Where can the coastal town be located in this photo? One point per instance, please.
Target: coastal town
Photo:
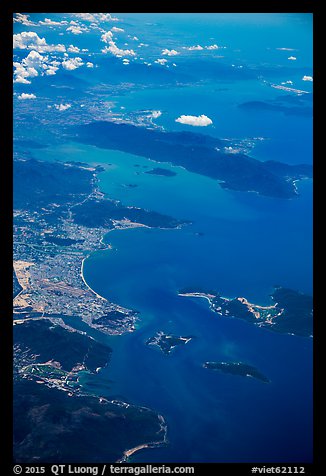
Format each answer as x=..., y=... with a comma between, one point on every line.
x=49, y=254
x=51, y=276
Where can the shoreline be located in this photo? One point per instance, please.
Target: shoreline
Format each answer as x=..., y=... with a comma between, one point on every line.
x=125, y=225
x=209, y=297
x=108, y=247
x=84, y=280
x=153, y=444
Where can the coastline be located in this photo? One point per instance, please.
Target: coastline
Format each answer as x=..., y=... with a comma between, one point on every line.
x=84, y=280
x=209, y=297
x=119, y=225
x=153, y=444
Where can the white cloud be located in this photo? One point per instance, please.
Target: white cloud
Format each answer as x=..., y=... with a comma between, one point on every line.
x=137, y=39
x=26, y=96
x=285, y=49
x=73, y=49
x=51, y=70
x=49, y=22
x=20, y=79
x=117, y=30
x=62, y=107
x=28, y=39
x=31, y=41
x=169, y=52
x=307, y=78
x=212, y=47
x=28, y=68
x=113, y=49
x=34, y=64
x=95, y=17
x=200, y=121
x=73, y=63
x=161, y=61
x=107, y=36
x=194, y=48
x=76, y=30
x=125, y=61
x=89, y=65
x=292, y=58
x=155, y=114
x=21, y=73
x=23, y=19
x=34, y=60
x=287, y=82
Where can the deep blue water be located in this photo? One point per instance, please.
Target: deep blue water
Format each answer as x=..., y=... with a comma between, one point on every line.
x=145, y=269
x=248, y=244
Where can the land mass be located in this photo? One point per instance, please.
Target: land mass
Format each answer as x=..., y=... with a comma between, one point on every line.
x=197, y=153
x=53, y=427
x=290, y=105
x=44, y=348
x=290, y=313
x=236, y=368
x=60, y=218
x=54, y=419
x=167, y=343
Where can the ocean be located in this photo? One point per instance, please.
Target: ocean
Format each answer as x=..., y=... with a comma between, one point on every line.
x=238, y=243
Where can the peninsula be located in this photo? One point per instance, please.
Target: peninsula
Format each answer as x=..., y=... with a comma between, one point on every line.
x=198, y=153
x=290, y=313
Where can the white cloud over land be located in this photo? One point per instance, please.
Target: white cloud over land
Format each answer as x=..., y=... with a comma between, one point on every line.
x=199, y=121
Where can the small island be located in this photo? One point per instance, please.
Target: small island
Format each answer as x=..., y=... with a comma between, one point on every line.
x=167, y=342
x=237, y=368
x=160, y=171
